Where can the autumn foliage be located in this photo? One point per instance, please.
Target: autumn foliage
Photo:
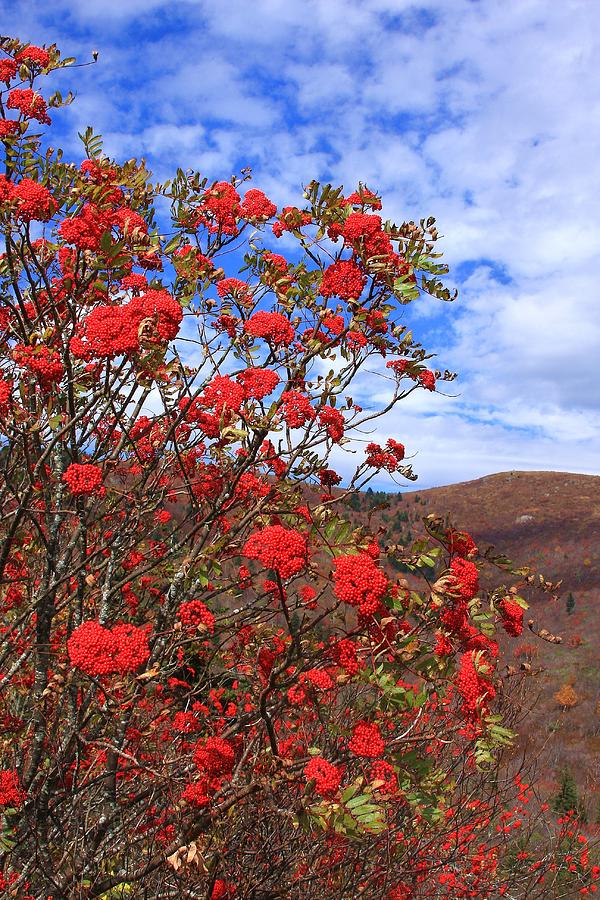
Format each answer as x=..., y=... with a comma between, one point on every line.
x=211, y=685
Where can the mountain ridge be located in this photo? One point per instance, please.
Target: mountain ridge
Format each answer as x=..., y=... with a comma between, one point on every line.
x=551, y=522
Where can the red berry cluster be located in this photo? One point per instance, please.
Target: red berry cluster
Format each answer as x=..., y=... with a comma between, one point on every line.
x=131, y=647
x=30, y=104
x=283, y=549
x=384, y=771
x=258, y=383
x=290, y=219
x=296, y=409
x=360, y=226
x=215, y=756
x=85, y=230
x=398, y=366
x=512, y=617
x=147, y=436
x=106, y=332
x=128, y=221
x=276, y=262
x=270, y=326
x=460, y=543
x=150, y=260
x=101, y=651
x=465, y=577
x=244, y=578
x=5, y=393
x=234, y=289
x=227, y=323
x=110, y=331
x=443, y=645
x=356, y=339
x=186, y=722
x=366, y=740
x=474, y=685
x=359, y=581
x=100, y=172
x=333, y=421
x=329, y=478
x=220, y=208
x=270, y=457
x=307, y=595
x=42, y=361
x=319, y=679
x=8, y=127
x=335, y=324
x=364, y=232
x=160, y=306
x=296, y=695
x=325, y=775
x=364, y=197
x=193, y=613
x=221, y=394
x=388, y=459
x=345, y=655
x=188, y=261
x=427, y=379
x=276, y=273
x=11, y=792
x=8, y=70
x=97, y=650
x=250, y=485
x=396, y=448
x=34, y=201
x=84, y=479
x=343, y=279
x=198, y=793
x=256, y=206
x=39, y=56
x=376, y=321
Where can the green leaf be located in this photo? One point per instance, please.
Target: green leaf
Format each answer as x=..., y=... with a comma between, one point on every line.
x=357, y=801
x=350, y=792
x=106, y=242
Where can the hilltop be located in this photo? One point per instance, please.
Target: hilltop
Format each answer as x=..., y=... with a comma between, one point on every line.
x=550, y=521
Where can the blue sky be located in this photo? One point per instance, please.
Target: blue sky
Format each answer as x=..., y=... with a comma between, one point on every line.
x=484, y=114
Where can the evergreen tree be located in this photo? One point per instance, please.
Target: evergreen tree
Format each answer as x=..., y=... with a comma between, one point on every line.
x=570, y=604
x=400, y=518
x=354, y=502
x=567, y=798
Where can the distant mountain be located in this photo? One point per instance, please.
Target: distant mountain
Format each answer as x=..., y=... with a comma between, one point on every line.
x=550, y=521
